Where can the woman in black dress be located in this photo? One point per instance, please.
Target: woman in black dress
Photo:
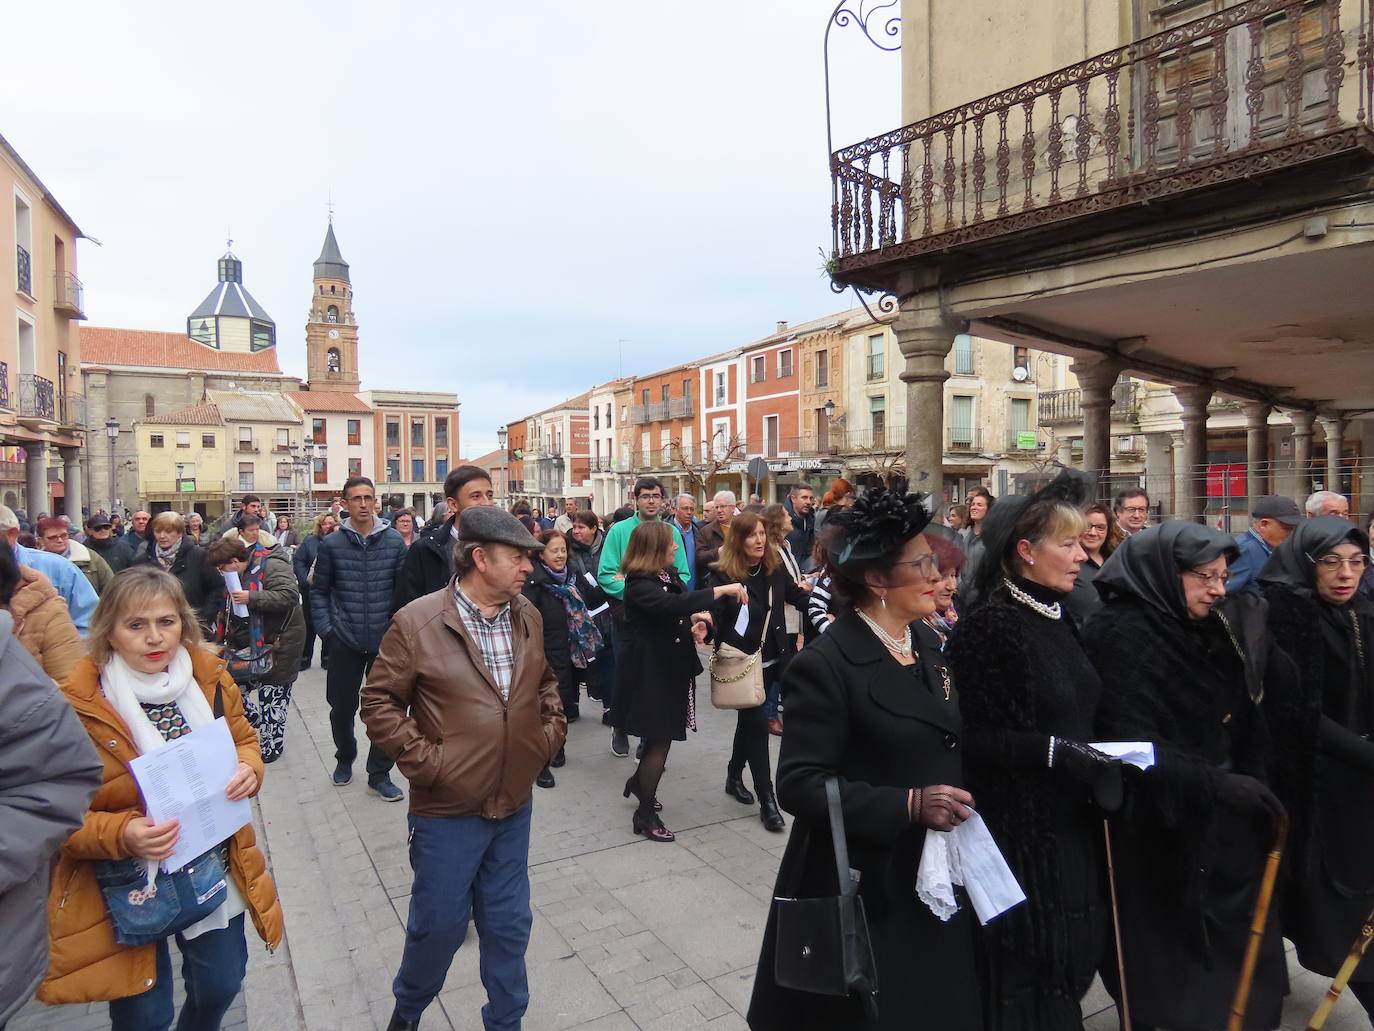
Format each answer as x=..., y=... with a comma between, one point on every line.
x=655, y=691
x=747, y=558
x=1028, y=697
x=1187, y=668
x=1317, y=617
x=871, y=703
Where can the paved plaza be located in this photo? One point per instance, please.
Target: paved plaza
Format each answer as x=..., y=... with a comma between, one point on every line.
x=628, y=934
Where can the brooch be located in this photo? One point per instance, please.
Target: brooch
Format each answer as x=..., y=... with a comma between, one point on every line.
x=944, y=677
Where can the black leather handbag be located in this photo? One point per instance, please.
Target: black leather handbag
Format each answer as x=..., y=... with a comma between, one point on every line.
x=823, y=945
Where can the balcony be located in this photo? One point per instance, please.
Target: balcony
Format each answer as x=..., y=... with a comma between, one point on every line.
x=1183, y=122
x=5, y=386
x=246, y=447
x=71, y=410
x=964, y=438
x=1065, y=407
x=68, y=295
x=37, y=400
x=203, y=486
x=24, y=264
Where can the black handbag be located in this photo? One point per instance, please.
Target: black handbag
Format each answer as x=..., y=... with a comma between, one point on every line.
x=823, y=944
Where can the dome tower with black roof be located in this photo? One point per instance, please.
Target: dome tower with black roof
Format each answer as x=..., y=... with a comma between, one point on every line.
x=229, y=319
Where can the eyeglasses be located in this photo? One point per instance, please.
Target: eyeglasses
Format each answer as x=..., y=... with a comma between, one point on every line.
x=1210, y=579
x=1134, y=509
x=1095, y=528
x=1356, y=564
x=925, y=564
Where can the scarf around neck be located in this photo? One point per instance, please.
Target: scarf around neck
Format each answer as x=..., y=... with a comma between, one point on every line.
x=165, y=558
x=584, y=637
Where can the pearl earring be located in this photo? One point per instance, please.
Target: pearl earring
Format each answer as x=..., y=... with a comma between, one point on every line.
x=1031, y=561
x=882, y=600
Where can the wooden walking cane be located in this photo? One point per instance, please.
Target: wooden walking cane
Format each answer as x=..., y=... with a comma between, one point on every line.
x=1343, y=975
x=1241, y=1001
x=1125, y=1013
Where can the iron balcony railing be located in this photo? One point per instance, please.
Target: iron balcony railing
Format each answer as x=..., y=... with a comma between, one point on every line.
x=69, y=295
x=24, y=264
x=71, y=410
x=658, y=411
x=1245, y=91
x=203, y=486
x=37, y=400
x=5, y=386
x=1065, y=407
x=964, y=438
x=246, y=447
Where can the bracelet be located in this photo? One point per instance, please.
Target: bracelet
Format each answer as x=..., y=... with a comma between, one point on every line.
x=913, y=805
x=1051, y=759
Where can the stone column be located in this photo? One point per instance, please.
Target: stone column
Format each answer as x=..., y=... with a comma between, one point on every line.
x=1302, y=453
x=1157, y=469
x=36, y=479
x=1335, y=436
x=925, y=341
x=1194, y=401
x=1096, y=378
x=1180, y=464
x=1256, y=450
x=71, y=480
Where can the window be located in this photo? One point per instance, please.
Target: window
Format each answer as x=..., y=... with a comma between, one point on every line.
x=961, y=420
x=200, y=333
x=393, y=470
x=1018, y=420
x=622, y=414
x=332, y=315
x=596, y=456
x=665, y=392
x=355, y=467
x=758, y=369
x=721, y=392
x=149, y=403
x=207, y=440
x=770, y=436
x=784, y=363
x=319, y=431
x=876, y=366
x=877, y=414
x=417, y=470
x=687, y=394
x=644, y=397
x=822, y=368
x=246, y=438
x=183, y=438
x=23, y=232
x=320, y=474
x=283, y=439
x=596, y=419
x=245, y=476
x=393, y=433
x=333, y=361
x=608, y=415
x=355, y=432
x=284, y=476
x=440, y=468
x=155, y=440
x=417, y=433
x=963, y=355
x=263, y=335
x=822, y=430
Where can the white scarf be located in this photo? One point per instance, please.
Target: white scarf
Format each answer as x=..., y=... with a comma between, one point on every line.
x=127, y=690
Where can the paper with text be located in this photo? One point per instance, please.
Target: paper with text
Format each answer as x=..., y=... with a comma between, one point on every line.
x=232, y=584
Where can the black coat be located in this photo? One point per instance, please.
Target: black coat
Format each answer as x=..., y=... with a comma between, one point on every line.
x=557, y=645
x=428, y=565
x=1188, y=869
x=855, y=713
x=201, y=582
x=112, y=551
x=776, y=588
x=657, y=667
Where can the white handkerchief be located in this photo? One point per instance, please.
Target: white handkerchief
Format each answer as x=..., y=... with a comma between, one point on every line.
x=934, y=879
x=1140, y=754
x=969, y=857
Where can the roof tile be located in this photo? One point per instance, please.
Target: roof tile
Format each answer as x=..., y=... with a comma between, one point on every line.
x=328, y=401
x=102, y=345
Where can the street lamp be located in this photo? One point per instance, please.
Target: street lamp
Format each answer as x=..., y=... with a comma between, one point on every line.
x=112, y=432
x=501, y=444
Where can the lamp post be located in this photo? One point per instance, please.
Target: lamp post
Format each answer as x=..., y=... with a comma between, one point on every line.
x=112, y=433
x=501, y=443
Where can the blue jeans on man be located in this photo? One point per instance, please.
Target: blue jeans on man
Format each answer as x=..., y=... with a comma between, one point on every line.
x=467, y=867
x=212, y=965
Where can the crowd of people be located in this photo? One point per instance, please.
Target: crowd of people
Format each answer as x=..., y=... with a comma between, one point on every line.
x=918, y=666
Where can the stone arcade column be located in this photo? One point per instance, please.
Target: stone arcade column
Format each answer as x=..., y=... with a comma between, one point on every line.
x=1335, y=437
x=1302, y=453
x=71, y=479
x=1096, y=378
x=1180, y=463
x=1157, y=473
x=36, y=479
x=1194, y=401
x=925, y=341
x=1257, y=449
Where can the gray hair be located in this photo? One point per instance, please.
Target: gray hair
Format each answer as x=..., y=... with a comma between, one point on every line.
x=727, y=495
x=1314, y=504
x=690, y=497
x=8, y=520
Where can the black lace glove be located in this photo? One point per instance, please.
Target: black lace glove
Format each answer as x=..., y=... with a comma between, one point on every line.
x=1085, y=764
x=1248, y=795
x=941, y=807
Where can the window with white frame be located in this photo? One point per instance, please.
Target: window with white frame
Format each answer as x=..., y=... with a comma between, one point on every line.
x=770, y=436
x=876, y=366
x=963, y=355
x=722, y=390
x=822, y=368
x=245, y=476
x=961, y=420
x=785, y=363
x=183, y=438
x=877, y=415
x=758, y=369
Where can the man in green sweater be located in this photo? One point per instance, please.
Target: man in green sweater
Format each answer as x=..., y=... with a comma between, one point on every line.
x=648, y=503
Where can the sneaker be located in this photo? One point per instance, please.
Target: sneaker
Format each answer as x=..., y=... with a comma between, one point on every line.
x=606, y=718
x=545, y=778
x=620, y=744
x=343, y=774
x=384, y=789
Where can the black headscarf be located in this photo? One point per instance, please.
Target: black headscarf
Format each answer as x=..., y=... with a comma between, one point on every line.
x=1146, y=565
x=1294, y=562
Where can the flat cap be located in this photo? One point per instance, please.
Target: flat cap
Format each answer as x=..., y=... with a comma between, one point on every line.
x=98, y=521
x=492, y=525
x=1276, y=506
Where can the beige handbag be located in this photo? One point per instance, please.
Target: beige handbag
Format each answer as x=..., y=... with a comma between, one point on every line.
x=737, y=677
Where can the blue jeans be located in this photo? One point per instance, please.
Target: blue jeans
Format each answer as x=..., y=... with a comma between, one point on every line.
x=212, y=965
x=467, y=867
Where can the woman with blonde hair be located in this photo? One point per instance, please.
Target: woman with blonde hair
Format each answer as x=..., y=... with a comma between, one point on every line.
x=147, y=682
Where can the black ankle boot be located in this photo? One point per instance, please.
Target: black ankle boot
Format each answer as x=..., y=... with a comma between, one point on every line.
x=734, y=787
x=769, y=812
x=399, y=1023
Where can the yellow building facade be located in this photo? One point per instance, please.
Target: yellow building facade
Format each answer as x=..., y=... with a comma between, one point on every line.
x=182, y=457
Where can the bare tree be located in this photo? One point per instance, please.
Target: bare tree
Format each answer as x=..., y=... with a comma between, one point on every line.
x=709, y=463
x=888, y=464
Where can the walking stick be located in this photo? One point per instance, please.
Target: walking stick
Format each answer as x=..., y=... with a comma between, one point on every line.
x=1257, y=924
x=1116, y=927
x=1343, y=975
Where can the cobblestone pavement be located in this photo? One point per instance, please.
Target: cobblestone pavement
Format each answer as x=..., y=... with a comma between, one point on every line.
x=628, y=934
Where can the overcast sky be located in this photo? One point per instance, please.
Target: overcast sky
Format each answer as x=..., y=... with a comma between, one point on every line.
x=524, y=191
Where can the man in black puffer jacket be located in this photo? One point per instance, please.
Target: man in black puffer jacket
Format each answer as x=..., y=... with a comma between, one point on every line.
x=350, y=602
x=429, y=562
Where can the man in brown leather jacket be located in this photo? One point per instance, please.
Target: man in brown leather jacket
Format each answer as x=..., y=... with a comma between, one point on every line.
x=462, y=696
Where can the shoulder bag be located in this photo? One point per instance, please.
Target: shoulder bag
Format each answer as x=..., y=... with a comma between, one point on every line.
x=823, y=944
x=736, y=676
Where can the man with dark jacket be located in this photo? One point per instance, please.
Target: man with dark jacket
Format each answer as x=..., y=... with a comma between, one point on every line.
x=429, y=562
x=801, y=503
x=463, y=696
x=350, y=602
x=100, y=539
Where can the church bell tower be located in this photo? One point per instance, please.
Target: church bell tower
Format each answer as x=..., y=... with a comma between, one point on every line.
x=331, y=335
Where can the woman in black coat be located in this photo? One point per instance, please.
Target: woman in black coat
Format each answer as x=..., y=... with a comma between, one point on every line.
x=1319, y=620
x=747, y=557
x=871, y=703
x=1186, y=668
x=1028, y=697
x=655, y=691
x=172, y=549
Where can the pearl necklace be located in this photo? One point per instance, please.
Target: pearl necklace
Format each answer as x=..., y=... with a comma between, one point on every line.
x=1048, y=611
x=902, y=647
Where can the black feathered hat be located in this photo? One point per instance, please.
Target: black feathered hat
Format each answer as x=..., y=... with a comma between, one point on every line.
x=877, y=524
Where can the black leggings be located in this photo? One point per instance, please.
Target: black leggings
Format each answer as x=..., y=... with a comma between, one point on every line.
x=751, y=743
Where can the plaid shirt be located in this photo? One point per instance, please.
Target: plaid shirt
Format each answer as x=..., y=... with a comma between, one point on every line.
x=494, y=637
